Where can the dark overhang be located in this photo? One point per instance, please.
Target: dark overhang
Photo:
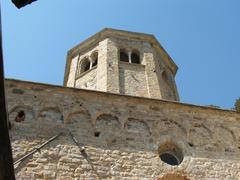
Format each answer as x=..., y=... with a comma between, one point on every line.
x=21, y=3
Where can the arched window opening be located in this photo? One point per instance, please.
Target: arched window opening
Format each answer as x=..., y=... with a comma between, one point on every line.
x=123, y=56
x=85, y=65
x=95, y=59
x=135, y=58
x=95, y=62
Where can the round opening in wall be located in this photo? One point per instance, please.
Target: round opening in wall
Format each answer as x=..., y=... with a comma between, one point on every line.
x=169, y=159
x=170, y=154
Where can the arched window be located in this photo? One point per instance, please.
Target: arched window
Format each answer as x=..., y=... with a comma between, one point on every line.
x=85, y=65
x=135, y=57
x=95, y=59
x=123, y=56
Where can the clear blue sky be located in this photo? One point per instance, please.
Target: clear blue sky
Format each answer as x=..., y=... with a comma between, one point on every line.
x=202, y=36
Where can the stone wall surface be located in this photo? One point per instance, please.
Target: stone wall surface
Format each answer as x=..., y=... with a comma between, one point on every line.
x=122, y=135
x=133, y=79
x=72, y=72
x=88, y=80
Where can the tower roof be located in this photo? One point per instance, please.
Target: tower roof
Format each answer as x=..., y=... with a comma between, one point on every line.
x=109, y=32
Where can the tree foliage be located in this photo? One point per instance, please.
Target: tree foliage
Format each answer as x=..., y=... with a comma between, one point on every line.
x=237, y=105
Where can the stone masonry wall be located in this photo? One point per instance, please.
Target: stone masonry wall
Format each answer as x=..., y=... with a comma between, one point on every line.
x=123, y=135
x=166, y=79
x=88, y=80
x=73, y=71
x=132, y=79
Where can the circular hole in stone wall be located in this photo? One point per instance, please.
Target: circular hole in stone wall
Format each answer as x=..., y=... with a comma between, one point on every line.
x=170, y=154
x=169, y=158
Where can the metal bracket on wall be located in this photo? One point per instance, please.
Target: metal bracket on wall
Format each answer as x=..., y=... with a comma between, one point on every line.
x=84, y=154
x=36, y=149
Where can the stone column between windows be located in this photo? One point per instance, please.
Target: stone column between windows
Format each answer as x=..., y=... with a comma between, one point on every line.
x=129, y=56
x=91, y=62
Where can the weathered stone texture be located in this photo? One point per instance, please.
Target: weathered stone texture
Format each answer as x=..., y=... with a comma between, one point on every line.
x=123, y=135
x=72, y=72
x=88, y=80
x=132, y=79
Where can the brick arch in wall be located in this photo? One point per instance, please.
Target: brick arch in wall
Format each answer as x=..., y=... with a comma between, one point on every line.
x=79, y=123
x=53, y=114
x=137, y=132
x=25, y=124
x=109, y=129
x=107, y=119
x=225, y=138
x=137, y=126
x=166, y=125
x=75, y=111
x=199, y=135
x=28, y=110
x=49, y=121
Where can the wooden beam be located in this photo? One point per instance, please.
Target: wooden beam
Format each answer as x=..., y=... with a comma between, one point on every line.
x=6, y=161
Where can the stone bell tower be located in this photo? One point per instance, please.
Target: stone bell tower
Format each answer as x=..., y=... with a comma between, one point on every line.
x=122, y=62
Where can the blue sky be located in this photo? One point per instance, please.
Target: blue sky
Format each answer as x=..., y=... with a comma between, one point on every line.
x=202, y=37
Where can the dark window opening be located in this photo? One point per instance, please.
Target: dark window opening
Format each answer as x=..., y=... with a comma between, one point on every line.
x=95, y=62
x=95, y=59
x=20, y=116
x=123, y=56
x=169, y=159
x=135, y=58
x=85, y=66
x=97, y=134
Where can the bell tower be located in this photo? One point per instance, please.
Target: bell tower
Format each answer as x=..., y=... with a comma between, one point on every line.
x=122, y=62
